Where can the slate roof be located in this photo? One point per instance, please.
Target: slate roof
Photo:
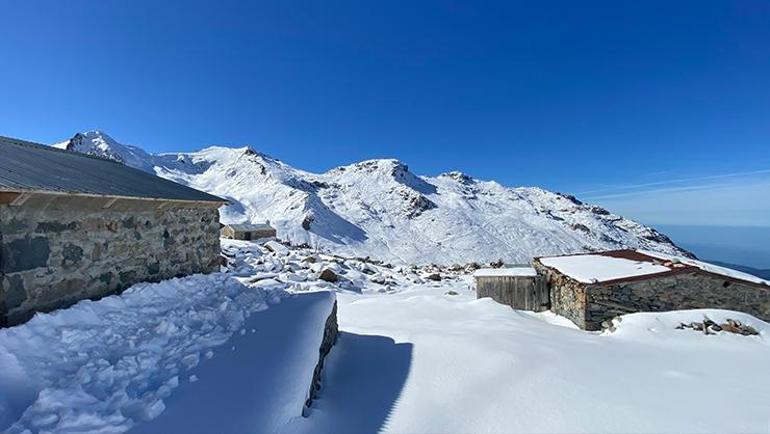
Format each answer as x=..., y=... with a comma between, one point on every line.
x=31, y=167
x=248, y=227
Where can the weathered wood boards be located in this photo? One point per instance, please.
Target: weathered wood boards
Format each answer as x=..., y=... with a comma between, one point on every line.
x=519, y=292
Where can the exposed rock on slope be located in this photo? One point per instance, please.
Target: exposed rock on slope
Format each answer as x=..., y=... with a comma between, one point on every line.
x=378, y=208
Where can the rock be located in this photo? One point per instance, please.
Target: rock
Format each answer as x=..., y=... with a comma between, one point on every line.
x=328, y=275
x=306, y=222
x=377, y=279
x=450, y=292
x=434, y=276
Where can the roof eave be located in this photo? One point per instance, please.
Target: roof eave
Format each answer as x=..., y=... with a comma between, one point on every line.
x=218, y=200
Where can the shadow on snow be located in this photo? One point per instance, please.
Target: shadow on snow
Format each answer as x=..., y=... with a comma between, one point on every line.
x=363, y=380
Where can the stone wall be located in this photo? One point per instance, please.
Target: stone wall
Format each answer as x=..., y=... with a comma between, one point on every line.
x=568, y=296
x=588, y=306
x=692, y=290
x=55, y=251
x=327, y=342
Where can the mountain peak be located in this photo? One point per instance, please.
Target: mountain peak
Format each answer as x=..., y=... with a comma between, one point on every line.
x=458, y=176
x=379, y=208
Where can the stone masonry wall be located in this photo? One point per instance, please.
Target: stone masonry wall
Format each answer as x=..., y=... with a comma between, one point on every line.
x=588, y=306
x=674, y=292
x=568, y=297
x=55, y=253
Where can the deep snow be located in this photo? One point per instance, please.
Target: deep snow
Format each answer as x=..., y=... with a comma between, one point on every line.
x=421, y=361
x=232, y=352
x=105, y=366
x=379, y=208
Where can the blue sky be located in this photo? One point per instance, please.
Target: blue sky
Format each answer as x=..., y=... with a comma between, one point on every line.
x=657, y=110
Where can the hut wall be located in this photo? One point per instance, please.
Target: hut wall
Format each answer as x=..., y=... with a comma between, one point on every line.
x=263, y=233
x=228, y=232
x=55, y=251
x=519, y=292
x=567, y=296
x=674, y=292
x=590, y=305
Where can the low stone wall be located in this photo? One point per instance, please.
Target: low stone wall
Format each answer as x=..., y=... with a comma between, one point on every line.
x=57, y=251
x=329, y=339
x=674, y=292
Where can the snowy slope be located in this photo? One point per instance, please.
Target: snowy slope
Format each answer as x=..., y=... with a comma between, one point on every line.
x=423, y=361
x=379, y=208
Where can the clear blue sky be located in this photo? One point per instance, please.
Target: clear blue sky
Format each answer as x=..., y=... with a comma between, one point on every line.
x=642, y=106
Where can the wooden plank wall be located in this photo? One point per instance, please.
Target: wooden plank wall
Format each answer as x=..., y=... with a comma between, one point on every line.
x=523, y=293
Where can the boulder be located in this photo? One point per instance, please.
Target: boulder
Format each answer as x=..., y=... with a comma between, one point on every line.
x=328, y=275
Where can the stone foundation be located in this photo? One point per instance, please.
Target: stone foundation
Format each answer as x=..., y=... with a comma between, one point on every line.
x=55, y=251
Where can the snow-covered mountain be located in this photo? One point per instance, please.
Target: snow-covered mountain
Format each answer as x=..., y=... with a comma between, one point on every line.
x=379, y=208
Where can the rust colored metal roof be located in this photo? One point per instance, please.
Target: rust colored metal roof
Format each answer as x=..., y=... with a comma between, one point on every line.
x=674, y=266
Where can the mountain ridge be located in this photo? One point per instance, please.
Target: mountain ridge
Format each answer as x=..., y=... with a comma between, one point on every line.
x=379, y=208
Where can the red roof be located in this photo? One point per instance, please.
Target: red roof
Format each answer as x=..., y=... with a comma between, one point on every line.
x=674, y=265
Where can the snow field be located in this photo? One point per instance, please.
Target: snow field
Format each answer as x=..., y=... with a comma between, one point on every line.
x=233, y=351
x=421, y=361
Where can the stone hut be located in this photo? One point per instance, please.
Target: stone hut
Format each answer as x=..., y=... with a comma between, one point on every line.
x=74, y=226
x=517, y=286
x=590, y=289
x=248, y=231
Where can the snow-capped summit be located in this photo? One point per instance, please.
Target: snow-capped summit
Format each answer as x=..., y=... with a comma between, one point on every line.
x=97, y=143
x=379, y=208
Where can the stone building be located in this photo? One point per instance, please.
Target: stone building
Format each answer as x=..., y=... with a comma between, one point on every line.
x=592, y=288
x=74, y=226
x=248, y=231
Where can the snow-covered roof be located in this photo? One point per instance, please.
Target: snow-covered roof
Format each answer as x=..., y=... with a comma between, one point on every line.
x=506, y=272
x=30, y=167
x=705, y=266
x=599, y=268
x=635, y=264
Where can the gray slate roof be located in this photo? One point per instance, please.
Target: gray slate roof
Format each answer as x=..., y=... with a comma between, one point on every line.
x=26, y=166
x=248, y=227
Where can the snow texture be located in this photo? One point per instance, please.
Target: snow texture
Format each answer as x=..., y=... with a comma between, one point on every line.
x=233, y=351
x=378, y=208
x=420, y=361
x=107, y=365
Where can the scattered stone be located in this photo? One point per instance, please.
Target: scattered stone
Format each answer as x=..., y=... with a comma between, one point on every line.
x=328, y=275
x=379, y=279
x=709, y=327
